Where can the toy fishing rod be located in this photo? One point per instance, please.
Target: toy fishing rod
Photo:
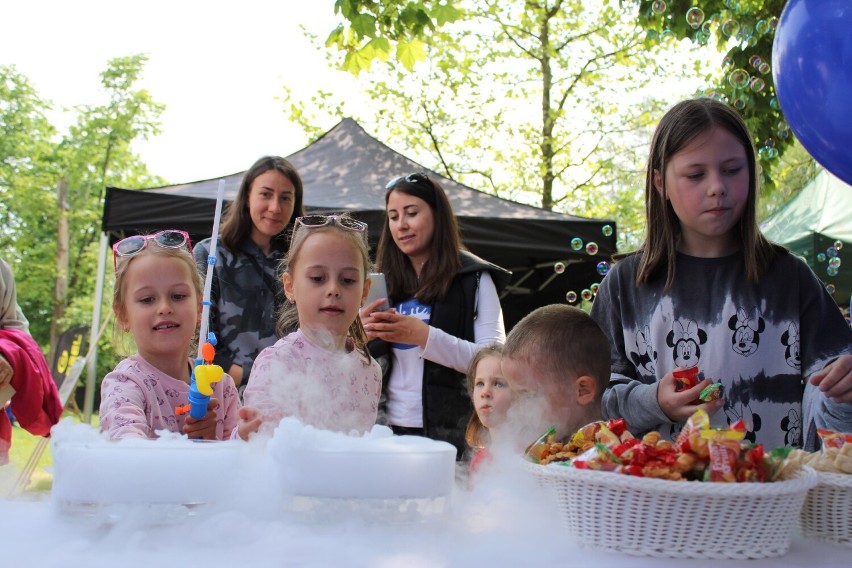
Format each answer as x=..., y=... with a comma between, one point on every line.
x=205, y=372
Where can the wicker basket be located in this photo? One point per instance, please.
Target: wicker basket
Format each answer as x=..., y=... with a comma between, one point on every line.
x=677, y=519
x=827, y=514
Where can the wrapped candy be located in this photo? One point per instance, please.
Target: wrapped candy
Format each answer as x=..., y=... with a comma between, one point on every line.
x=685, y=378
x=723, y=447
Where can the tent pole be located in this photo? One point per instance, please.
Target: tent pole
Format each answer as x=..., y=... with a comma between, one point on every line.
x=91, y=364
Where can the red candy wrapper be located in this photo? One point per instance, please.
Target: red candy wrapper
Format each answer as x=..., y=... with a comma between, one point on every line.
x=685, y=378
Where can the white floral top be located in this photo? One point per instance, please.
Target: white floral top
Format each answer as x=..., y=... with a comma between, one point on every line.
x=331, y=390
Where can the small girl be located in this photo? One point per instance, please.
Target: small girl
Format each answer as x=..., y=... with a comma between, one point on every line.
x=157, y=298
x=322, y=373
x=707, y=290
x=491, y=398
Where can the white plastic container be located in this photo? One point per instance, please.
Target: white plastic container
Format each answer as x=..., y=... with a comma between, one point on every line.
x=92, y=475
x=384, y=477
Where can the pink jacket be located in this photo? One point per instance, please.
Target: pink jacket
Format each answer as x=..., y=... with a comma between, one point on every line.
x=36, y=403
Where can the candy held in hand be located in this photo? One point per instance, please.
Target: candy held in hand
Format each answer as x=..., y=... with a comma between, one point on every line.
x=711, y=392
x=685, y=378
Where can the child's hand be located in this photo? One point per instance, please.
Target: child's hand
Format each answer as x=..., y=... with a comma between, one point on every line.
x=205, y=428
x=835, y=380
x=680, y=405
x=250, y=420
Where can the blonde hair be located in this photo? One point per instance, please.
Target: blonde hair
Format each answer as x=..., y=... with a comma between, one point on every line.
x=476, y=434
x=288, y=318
x=123, y=264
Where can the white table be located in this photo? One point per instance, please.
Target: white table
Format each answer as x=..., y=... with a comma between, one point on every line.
x=485, y=528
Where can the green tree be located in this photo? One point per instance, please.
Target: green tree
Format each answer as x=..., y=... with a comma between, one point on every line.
x=745, y=31
x=95, y=151
x=548, y=102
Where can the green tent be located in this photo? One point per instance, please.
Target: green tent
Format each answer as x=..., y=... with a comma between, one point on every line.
x=812, y=223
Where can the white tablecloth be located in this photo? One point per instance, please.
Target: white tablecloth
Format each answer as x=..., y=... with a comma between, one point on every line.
x=493, y=529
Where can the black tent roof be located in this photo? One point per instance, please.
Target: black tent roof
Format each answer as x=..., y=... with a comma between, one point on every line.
x=346, y=170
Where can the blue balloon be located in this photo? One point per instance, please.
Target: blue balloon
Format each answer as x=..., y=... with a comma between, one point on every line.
x=812, y=68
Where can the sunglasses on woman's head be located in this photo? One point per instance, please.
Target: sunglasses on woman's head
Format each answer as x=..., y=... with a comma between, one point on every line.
x=316, y=221
x=410, y=178
x=169, y=239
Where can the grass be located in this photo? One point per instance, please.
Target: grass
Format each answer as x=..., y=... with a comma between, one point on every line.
x=23, y=446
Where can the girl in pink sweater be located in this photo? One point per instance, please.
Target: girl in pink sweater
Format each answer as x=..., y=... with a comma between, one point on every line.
x=157, y=299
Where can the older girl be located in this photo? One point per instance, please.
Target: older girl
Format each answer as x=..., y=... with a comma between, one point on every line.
x=707, y=290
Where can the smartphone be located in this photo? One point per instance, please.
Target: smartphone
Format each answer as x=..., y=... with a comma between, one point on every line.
x=378, y=289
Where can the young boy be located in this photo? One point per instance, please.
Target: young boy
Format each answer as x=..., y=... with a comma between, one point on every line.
x=556, y=361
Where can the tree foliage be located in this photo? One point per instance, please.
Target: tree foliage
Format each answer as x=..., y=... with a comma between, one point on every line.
x=549, y=102
x=94, y=152
x=741, y=29
x=745, y=31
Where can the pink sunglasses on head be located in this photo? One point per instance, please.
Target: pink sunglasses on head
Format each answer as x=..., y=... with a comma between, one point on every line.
x=170, y=239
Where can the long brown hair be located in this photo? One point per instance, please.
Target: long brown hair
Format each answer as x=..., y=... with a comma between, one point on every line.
x=236, y=221
x=682, y=124
x=443, y=264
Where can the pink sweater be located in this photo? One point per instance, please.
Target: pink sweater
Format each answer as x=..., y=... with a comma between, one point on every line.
x=137, y=399
x=331, y=390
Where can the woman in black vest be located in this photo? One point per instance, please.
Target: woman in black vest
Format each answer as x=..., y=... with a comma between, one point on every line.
x=445, y=307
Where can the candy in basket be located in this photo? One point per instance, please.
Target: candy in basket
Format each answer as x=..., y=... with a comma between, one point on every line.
x=653, y=497
x=827, y=512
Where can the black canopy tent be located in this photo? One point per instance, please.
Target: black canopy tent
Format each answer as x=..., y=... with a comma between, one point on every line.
x=346, y=170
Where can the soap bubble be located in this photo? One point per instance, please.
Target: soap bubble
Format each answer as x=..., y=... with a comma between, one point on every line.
x=830, y=288
x=694, y=17
x=764, y=68
x=834, y=262
x=571, y=297
x=576, y=243
x=730, y=28
x=586, y=294
x=738, y=78
x=774, y=104
x=728, y=61
x=603, y=267
x=838, y=245
x=755, y=61
x=757, y=84
x=740, y=102
x=658, y=7
x=592, y=248
x=762, y=27
x=831, y=252
x=832, y=270
x=606, y=230
x=745, y=33
x=594, y=288
x=821, y=257
x=559, y=267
